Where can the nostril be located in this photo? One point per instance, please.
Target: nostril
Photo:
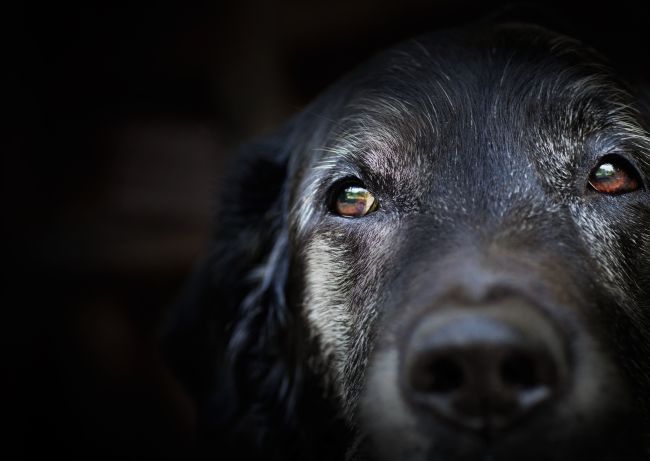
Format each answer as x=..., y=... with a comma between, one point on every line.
x=447, y=376
x=520, y=371
x=438, y=375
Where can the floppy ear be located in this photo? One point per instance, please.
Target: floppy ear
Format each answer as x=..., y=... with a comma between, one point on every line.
x=228, y=338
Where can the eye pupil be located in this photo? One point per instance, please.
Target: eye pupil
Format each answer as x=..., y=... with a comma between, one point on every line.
x=354, y=202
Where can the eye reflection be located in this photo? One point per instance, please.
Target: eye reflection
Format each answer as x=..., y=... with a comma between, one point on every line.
x=354, y=202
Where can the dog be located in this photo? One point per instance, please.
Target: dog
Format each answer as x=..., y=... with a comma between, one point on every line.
x=445, y=257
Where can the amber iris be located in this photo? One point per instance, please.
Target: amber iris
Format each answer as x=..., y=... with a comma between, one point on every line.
x=354, y=202
x=614, y=176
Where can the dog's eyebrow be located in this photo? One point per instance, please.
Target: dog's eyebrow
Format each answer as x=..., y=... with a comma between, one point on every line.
x=353, y=156
x=379, y=130
x=374, y=158
x=621, y=128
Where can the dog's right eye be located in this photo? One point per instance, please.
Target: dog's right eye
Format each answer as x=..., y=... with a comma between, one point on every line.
x=353, y=201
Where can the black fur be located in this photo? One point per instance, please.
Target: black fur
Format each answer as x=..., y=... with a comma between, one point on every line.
x=239, y=340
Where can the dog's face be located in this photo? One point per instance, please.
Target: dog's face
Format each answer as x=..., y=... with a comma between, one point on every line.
x=470, y=239
x=450, y=249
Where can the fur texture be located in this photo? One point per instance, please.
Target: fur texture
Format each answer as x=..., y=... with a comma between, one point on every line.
x=478, y=144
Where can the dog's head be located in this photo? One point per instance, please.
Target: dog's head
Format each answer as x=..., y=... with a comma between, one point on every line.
x=453, y=247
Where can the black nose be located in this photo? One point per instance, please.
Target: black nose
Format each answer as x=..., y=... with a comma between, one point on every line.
x=483, y=372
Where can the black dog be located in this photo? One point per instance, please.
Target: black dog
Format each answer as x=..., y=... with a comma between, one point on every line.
x=445, y=257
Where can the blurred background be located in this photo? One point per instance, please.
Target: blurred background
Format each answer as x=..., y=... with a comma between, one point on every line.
x=121, y=118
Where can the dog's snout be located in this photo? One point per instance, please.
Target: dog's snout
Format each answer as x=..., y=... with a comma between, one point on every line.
x=482, y=370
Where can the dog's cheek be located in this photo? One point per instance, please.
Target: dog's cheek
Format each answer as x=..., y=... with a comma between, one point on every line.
x=328, y=283
x=603, y=236
x=344, y=272
x=618, y=245
x=378, y=264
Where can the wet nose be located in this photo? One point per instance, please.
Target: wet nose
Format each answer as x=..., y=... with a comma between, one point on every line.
x=483, y=372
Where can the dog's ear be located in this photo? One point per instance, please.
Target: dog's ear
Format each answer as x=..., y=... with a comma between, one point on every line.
x=227, y=339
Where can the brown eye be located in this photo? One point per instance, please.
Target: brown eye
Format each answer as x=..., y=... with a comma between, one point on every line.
x=614, y=175
x=354, y=202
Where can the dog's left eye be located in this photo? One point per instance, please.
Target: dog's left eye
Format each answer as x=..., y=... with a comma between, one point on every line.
x=354, y=201
x=614, y=175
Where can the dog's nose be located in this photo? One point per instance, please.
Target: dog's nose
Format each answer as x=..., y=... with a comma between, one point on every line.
x=481, y=371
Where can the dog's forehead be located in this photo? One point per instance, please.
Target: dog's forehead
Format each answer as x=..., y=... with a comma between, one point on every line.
x=510, y=98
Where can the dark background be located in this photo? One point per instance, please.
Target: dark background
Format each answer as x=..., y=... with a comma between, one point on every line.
x=120, y=120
